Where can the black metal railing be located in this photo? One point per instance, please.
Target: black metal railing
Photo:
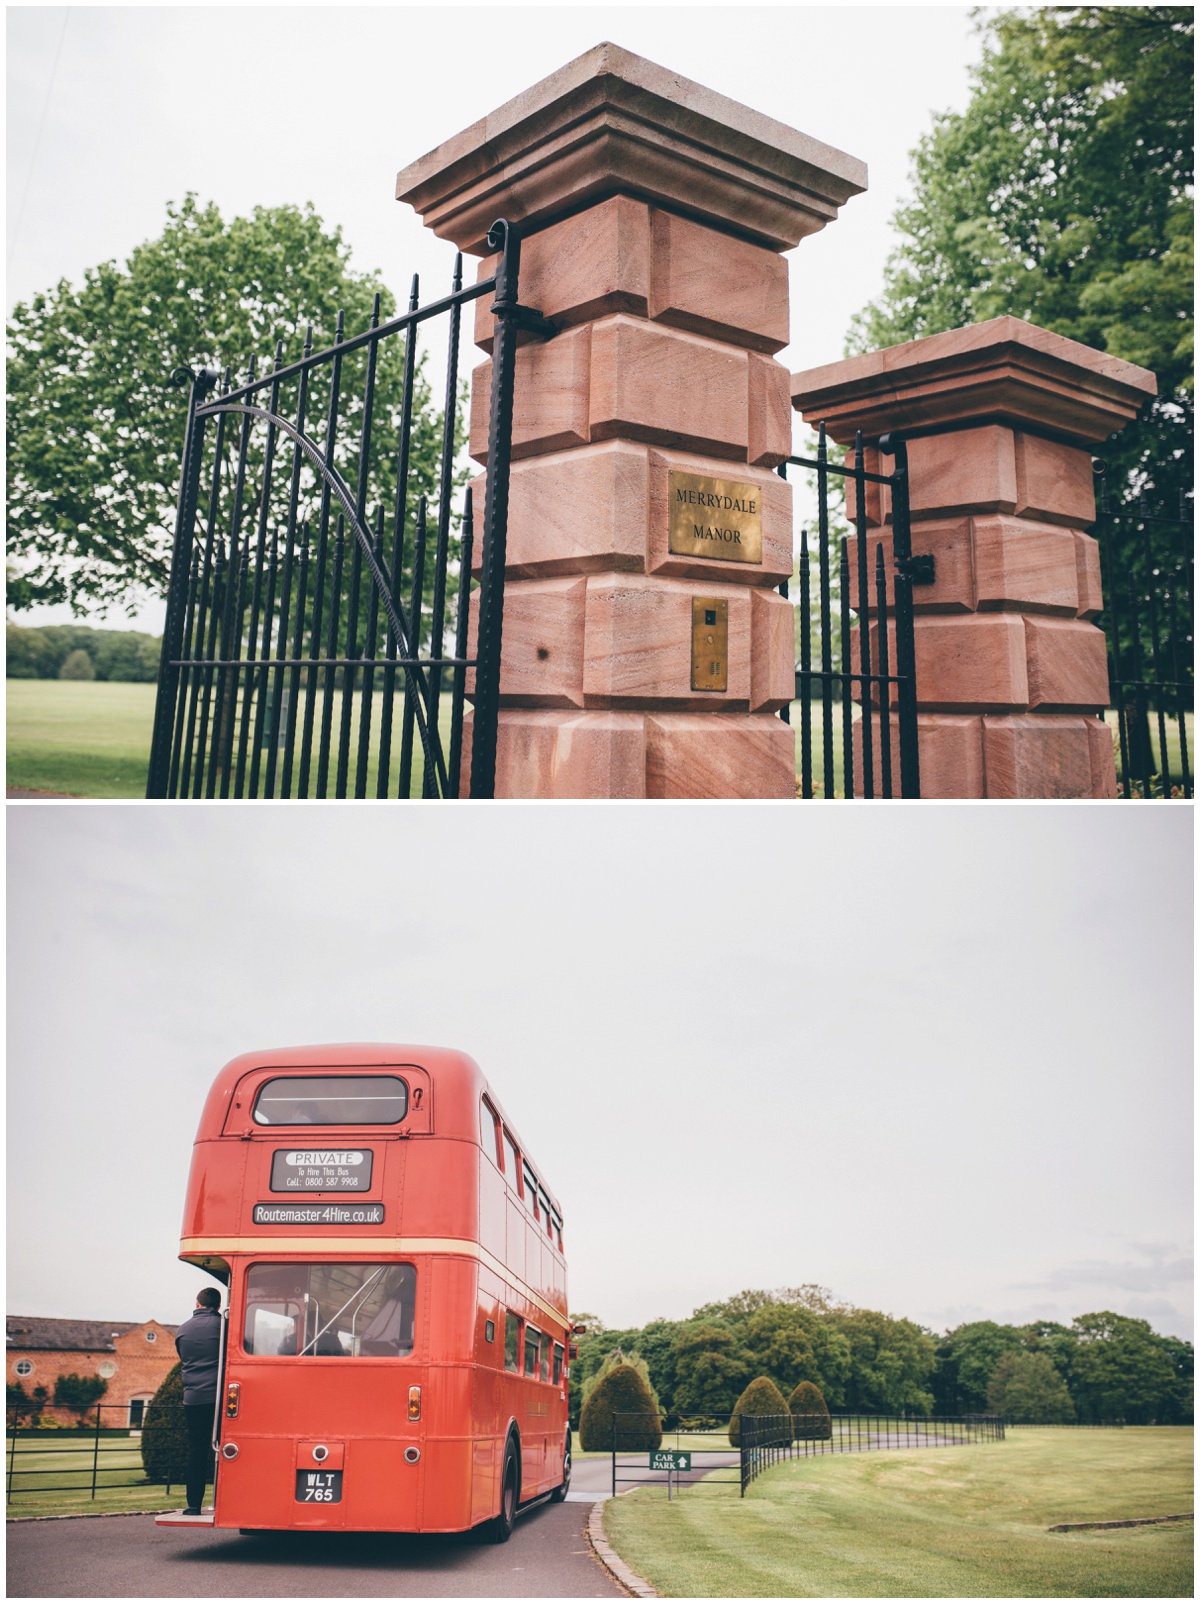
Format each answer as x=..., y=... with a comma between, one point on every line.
x=855, y=619
x=310, y=648
x=704, y=1438
x=1147, y=572
x=101, y=1452
x=746, y=1445
x=768, y=1439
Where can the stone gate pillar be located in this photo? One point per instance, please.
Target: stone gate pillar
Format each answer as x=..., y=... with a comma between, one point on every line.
x=1000, y=419
x=646, y=651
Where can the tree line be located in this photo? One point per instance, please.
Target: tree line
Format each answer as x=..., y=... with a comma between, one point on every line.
x=73, y=651
x=1102, y=1366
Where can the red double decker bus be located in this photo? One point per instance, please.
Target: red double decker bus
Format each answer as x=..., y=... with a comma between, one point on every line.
x=397, y=1336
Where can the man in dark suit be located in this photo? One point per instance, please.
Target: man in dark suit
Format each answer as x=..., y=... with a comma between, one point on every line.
x=198, y=1344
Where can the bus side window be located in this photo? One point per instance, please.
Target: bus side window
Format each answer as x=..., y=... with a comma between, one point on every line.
x=533, y=1341
x=512, y=1163
x=512, y=1342
x=545, y=1202
x=558, y=1362
x=489, y=1132
x=558, y=1232
x=531, y=1191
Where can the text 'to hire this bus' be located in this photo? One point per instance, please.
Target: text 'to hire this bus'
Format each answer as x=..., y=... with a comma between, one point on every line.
x=397, y=1335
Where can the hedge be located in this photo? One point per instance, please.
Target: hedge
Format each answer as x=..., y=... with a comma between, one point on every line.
x=624, y=1392
x=761, y=1397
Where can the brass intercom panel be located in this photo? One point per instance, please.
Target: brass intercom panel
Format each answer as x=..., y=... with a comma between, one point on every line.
x=710, y=644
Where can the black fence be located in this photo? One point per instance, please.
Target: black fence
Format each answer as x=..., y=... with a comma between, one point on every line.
x=102, y=1452
x=312, y=647
x=765, y=1440
x=703, y=1439
x=768, y=1439
x=855, y=622
x=1148, y=579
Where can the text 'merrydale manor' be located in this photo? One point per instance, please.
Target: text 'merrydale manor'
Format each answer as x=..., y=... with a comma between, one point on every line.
x=715, y=518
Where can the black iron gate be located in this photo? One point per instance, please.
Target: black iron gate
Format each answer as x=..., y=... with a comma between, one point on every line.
x=305, y=650
x=855, y=617
x=1147, y=573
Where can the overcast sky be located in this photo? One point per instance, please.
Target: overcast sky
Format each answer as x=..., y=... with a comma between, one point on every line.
x=934, y=1058
x=113, y=112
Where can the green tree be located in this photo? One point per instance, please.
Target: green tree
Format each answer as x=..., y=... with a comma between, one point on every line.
x=18, y=1403
x=164, y=1441
x=810, y=1413
x=655, y=1342
x=1178, y=1408
x=77, y=665
x=1026, y=1386
x=618, y=1356
x=966, y=1361
x=95, y=430
x=79, y=1393
x=622, y=1392
x=1062, y=194
x=711, y=1367
x=1121, y=1370
x=591, y=1350
x=891, y=1362
x=761, y=1397
x=116, y=654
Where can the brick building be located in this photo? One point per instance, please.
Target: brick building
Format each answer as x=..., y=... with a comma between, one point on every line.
x=133, y=1357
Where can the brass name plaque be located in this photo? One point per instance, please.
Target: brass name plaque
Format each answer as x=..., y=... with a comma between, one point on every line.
x=715, y=518
x=710, y=644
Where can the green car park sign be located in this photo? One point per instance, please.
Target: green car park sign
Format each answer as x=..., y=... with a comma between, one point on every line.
x=670, y=1459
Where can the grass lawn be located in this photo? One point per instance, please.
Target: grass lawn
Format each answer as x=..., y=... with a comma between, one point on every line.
x=67, y=1467
x=86, y=737
x=92, y=738
x=936, y=1523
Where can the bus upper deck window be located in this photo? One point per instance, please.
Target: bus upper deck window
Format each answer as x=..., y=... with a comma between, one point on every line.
x=489, y=1131
x=545, y=1202
x=512, y=1163
x=512, y=1342
x=531, y=1191
x=558, y=1232
x=332, y=1100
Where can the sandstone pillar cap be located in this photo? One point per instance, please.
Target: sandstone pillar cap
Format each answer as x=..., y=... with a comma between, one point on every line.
x=1003, y=371
x=611, y=122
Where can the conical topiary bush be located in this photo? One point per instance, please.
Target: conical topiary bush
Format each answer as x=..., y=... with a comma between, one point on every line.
x=164, y=1432
x=638, y=1425
x=810, y=1414
x=761, y=1397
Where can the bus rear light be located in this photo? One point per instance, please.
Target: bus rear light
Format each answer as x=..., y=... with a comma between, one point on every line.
x=414, y=1403
x=229, y=1451
x=232, y=1394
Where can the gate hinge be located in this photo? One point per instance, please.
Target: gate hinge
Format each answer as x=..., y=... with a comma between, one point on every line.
x=526, y=318
x=920, y=568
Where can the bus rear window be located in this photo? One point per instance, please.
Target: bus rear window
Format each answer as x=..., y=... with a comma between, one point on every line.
x=332, y=1100
x=330, y=1311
